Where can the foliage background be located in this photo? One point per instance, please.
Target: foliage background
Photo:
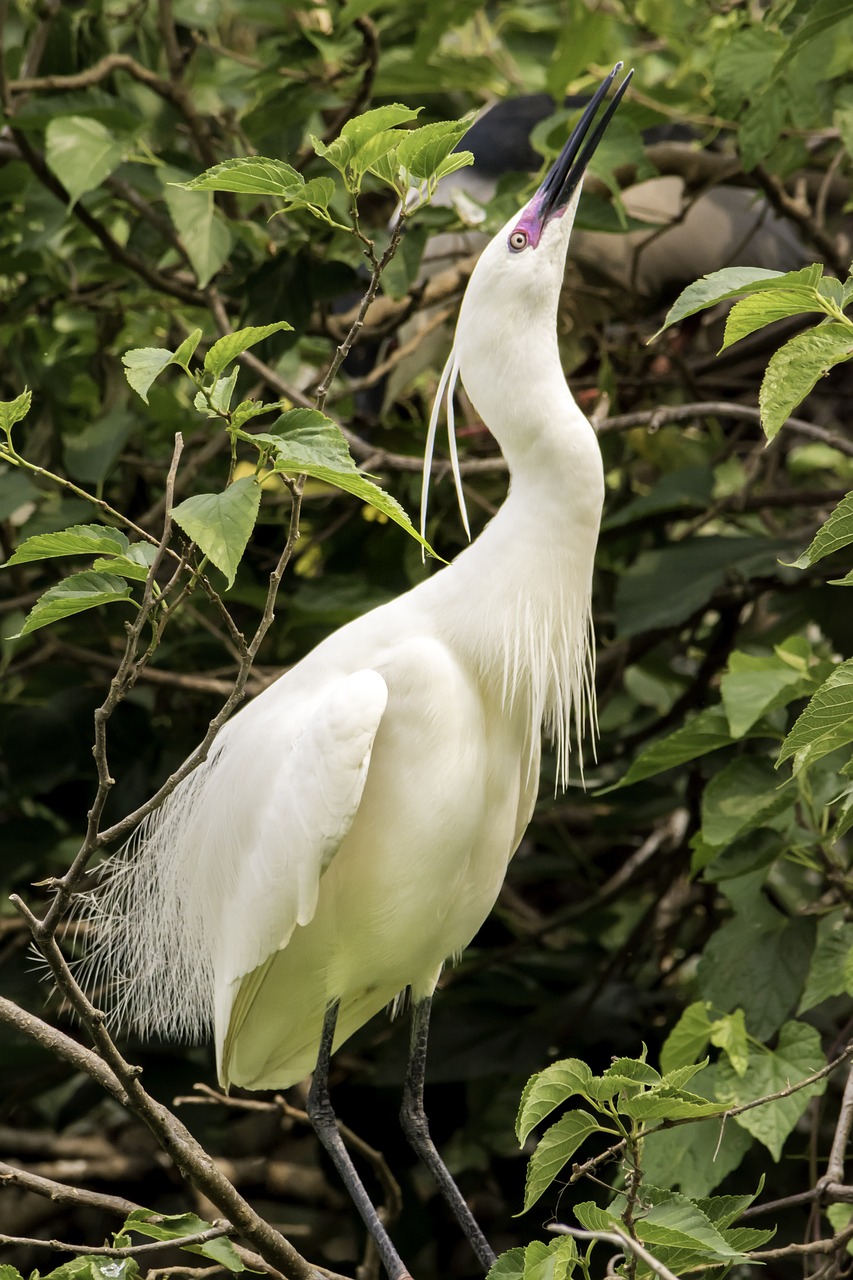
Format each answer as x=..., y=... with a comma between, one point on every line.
x=706, y=882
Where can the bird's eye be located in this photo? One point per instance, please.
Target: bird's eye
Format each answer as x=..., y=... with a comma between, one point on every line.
x=518, y=241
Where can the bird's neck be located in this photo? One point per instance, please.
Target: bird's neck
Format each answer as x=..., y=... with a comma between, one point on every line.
x=528, y=577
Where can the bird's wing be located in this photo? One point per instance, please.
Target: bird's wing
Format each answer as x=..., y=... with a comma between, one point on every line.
x=311, y=800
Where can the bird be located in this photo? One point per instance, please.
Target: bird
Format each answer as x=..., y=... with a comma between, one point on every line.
x=351, y=827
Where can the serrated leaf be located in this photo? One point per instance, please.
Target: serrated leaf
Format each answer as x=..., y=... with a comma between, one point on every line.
x=724, y=1210
x=833, y=949
x=144, y=364
x=731, y=282
x=754, y=684
x=553, y=1261
x=760, y=309
x=79, y=540
x=797, y=1056
x=217, y=399
x=826, y=723
x=559, y=1143
x=248, y=175
x=424, y=150
x=625, y=1073
x=744, y=1239
x=12, y=411
x=221, y=524
x=680, y=1076
x=81, y=152
x=549, y=1089
x=695, y=1157
x=176, y=1227
x=794, y=369
x=742, y=796
x=820, y=17
x=226, y=349
x=593, y=1218
x=706, y=731
x=509, y=1266
x=757, y=961
x=668, y=1104
x=688, y=1038
x=306, y=442
x=72, y=595
x=676, y=1221
x=836, y=532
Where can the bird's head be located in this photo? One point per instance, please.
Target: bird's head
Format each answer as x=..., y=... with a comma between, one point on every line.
x=506, y=333
x=521, y=270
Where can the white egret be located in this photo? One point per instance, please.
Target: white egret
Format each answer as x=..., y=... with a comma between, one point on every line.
x=351, y=827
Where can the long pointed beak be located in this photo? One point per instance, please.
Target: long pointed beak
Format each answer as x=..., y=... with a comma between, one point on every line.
x=570, y=166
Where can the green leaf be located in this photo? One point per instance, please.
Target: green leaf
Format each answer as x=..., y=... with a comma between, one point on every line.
x=668, y=1104
x=423, y=151
x=559, y=1143
x=179, y=1225
x=797, y=1056
x=731, y=282
x=509, y=1266
x=706, y=731
x=794, y=369
x=81, y=153
x=221, y=524
x=233, y=344
x=306, y=442
x=72, y=595
x=821, y=16
x=675, y=1221
x=668, y=585
x=680, y=1076
x=758, y=962
x=203, y=231
x=248, y=175
x=695, y=1157
x=760, y=309
x=79, y=540
x=729, y=1034
x=833, y=948
x=688, y=1039
x=144, y=364
x=625, y=1073
x=549, y=1089
x=840, y=1216
x=217, y=399
x=356, y=149
x=836, y=532
x=826, y=722
x=741, y=797
x=593, y=1218
x=12, y=411
x=754, y=684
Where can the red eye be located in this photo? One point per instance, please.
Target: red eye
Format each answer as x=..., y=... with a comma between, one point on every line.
x=518, y=241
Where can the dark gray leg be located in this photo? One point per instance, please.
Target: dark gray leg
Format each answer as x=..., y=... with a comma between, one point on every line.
x=325, y=1126
x=416, y=1128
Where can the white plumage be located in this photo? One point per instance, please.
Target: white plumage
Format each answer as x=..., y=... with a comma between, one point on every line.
x=351, y=828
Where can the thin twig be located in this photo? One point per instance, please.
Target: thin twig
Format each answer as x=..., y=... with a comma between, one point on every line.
x=127, y=1251
x=621, y=1241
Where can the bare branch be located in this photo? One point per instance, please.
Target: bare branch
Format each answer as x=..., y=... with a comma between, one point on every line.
x=621, y=1241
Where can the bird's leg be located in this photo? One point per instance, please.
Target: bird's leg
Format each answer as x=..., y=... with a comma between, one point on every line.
x=325, y=1126
x=416, y=1128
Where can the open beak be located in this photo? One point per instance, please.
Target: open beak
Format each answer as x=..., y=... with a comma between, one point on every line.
x=570, y=166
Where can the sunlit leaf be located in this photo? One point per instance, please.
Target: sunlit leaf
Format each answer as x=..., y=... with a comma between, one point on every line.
x=72, y=595
x=220, y=524
x=794, y=369
x=226, y=349
x=826, y=722
x=80, y=539
x=558, y=1145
